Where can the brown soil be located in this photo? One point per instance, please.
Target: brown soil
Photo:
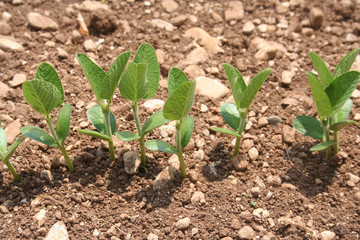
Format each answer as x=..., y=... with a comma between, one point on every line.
x=100, y=195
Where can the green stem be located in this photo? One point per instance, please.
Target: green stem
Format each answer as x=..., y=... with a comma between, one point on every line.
x=243, y=113
x=134, y=106
x=336, y=145
x=105, y=109
x=325, y=123
x=10, y=166
x=60, y=144
x=179, y=149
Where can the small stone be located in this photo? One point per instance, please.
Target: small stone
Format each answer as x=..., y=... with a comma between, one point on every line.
x=355, y=94
x=274, y=120
x=161, y=24
x=154, y=104
x=235, y=224
x=246, y=233
x=96, y=233
x=288, y=134
x=357, y=117
x=204, y=108
x=183, y=224
x=351, y=38
x=12, y=131
x=179, y=20
x=350, y=184
x=84, y=124
x=235, y=11
x=261, y=213
x=57, y=232
x=62, y=53
x=169, y=5
x=194, y=71
x=239, y=162
x=316, y=17
x=193, y=175
x=274, y=180
x=76, y=36
x=200, y=155
x=5, y=28
x=288, y=186
x=253, y=154
x=263, y=121
x=90, y=46
x=41, y=22
x=352, y=177
x=198, y=197
x=211, y=44
x=6, y=16
x=286, y=78
x=262, y=28
x=194, y=231
x=47, y=175
x=131, y=162
x=248, y=28
x=327, y=235
x=152, y=236
x=17, y=80
x=357, y=196
x=256, y=191
x=318, y=181
x=40, y=216
x=4, y=209
x=8, y=44
x=91, y=6
x=210, y=88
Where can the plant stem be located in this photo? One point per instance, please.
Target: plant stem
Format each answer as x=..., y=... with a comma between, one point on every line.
x=60, y=144
x=10, y=166
x=134, y=106
x=243, y=113
x=105, y=109
x=179, y=149
x=325, y=123
x=336, y=145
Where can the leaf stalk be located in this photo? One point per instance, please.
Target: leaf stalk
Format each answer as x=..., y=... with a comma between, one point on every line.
x=243, y=114
x=134, y=106
x=179, y=149
x=105, y=109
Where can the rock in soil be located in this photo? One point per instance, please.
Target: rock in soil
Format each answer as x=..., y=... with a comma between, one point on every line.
x=57, y=232
x=183, y=224
x=41, y=22
x=327, y=235
x=131, y=162
x=246, y=233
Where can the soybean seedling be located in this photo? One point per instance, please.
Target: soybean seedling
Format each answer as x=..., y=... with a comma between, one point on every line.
x=177, y=106
x=104, y=85
x=44, y=94
x=235, y=114
x=141, y=81
x=5, y=155
x=332, y=98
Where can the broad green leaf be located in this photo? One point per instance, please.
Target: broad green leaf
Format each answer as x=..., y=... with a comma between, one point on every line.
x=236, y=81
x=322, y=146
x=344, y=111
x=155, y=120
x=325, y=75
x=41, y=95
x=231, y=115
x=340, y=90
x=93, y=73
x=146, y=54
x=309, y=126
x=345, y=63
x=322, y=100
x=187, y=128
x=39, y=135
x=94, y=134
x=3, y=141
x=180, y=102
x=226, y=131
x=175, y=79
x=13, y=147
x=133, y=85
x=47, y=73
x=97, y=118
x=339, y=125
x=158, y=145
x=254, y=86
x=63, y=122
x=127, y=136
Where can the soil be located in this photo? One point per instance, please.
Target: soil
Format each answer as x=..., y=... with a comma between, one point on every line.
x=100, y=201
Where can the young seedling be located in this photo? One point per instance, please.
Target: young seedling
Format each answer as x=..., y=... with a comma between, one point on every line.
x=180, y=100
x=44, y=94
x=141, y=81
x=5, y=155
x=332, y=98
x=235, y=114
x=104, y=85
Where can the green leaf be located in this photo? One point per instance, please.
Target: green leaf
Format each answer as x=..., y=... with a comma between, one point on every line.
x=322, y=146
x=158, y=145
x=322, y=100
x=340, y=90
x=63, y=122
x=93, y=73
x=94, y=134
x=41, y=95
x=155, y=120
x=133, y=84
x=236, y=81
x=97, y=118
x=146, y=54
x=325, y=75
x=3, y=141
x=187, y=128
x=175, y=79
x=47, y=73
x=127, y=136
x=13, y=147
x=309, y=126
x=39, y=135
x=345, y=63
x=340, y=125
x=344, y=111
x=226, y=131
x=180, y=102
x=231, y=115
x=254, y=86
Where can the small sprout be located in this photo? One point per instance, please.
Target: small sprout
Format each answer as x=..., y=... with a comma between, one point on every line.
x=235, y=114
x=6, y=155
x=253, y=204
x=332, y=98
x=141, y=81
x=43, y=94
x=104, y=85
x=180, y=100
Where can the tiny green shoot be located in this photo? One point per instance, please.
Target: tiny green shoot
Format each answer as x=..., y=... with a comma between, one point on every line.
x=103, y=85
x=235, y=114
x=177, y=106
x=332, y=98
x=44, y=94
x=141, y=81
x=5, y=155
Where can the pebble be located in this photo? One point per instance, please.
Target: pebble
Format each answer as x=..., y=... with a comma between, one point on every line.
x=194, y=231
x=194, y=71
x=235, y=11
x=168, y=174
x=196, y=56
x=248, y=28
x=211, y=88
x=263, y=121
x=266, y=50
x=90, y=46
x=286, y=77
x=154, y=104
x=352, y=177
x=131, y=162
x=169, y=5
x=8, y=44
x=262, y=28
x=357, y=117
x=90, y=6
x=152, y=236
x=57, y=232
x=235, y=224
x=5, y=28
x=38, y=21
x=76, y=36
x=316, y=17
x=161, y=24
x=246, y=233
x=84, y=124
x=6, y=16
x=40, y=216
x=183, y=224
x=193, y=175
x=46, y=175
x=12, y=131
x=288, y=186
x=288, y=134
x=253, y=154
x=200, y=155
x=240, y=163
x=261, y=213
x=255, y=191
x=274, y=181
x=327, y=235
x=62, y=53
x=355, y=94
x=351, y=38
x=274, y=120
x=198, y=197
x=211, y=44
x=17, y=80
